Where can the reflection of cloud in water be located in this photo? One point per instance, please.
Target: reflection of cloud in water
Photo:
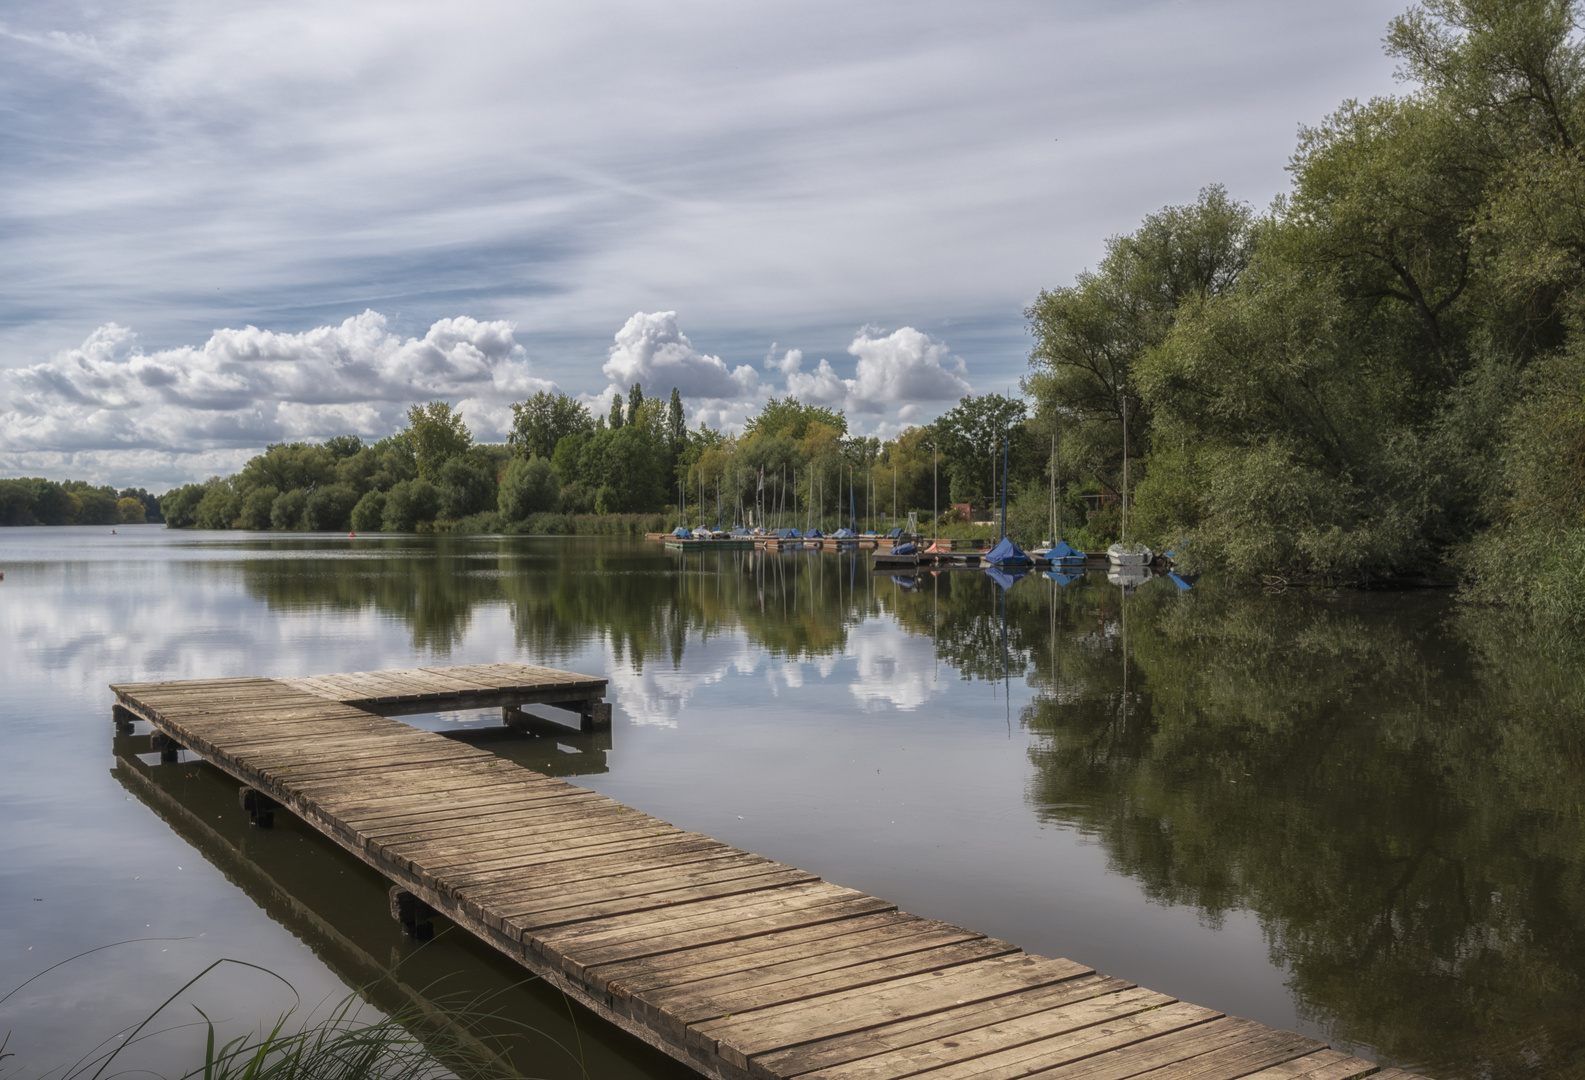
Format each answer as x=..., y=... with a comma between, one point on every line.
x=893, y=666
x=658, y=693
x=883, y=666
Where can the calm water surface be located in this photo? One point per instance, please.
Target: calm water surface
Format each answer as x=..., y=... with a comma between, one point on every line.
x=1357, y=816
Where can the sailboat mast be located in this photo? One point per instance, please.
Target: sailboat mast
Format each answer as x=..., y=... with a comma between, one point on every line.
x=1125, y=468
x=1055, y=534
x=1006, y=439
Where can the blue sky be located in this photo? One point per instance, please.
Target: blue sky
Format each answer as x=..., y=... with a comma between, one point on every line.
x=476, y=200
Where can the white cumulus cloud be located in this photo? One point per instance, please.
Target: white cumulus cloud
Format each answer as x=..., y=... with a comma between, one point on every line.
x=243, y=388
x=650, y=349
x=905, y=369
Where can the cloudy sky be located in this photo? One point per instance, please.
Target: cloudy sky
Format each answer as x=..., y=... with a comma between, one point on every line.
x=227, y=224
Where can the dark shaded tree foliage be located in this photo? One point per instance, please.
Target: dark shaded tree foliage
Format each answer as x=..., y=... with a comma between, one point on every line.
x=1379, y=376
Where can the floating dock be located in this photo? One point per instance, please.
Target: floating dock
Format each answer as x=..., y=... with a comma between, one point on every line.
x=734, y=964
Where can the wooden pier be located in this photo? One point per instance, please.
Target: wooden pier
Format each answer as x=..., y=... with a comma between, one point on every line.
x=737, y=965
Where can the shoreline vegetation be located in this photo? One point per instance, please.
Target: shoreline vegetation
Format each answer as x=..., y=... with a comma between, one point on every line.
x=1378, y=379
x=564, y=471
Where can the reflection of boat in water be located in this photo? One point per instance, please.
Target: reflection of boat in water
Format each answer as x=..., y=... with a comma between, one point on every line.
x=1129, y=576
x=1006, y=576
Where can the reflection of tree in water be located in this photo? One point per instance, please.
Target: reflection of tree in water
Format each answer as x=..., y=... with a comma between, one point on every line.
x=563, y=593
x=1396, y=788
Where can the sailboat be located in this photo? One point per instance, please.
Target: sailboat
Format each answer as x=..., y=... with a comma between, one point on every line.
x=1057, y=552
x=1005, y=554
x=1126, y=552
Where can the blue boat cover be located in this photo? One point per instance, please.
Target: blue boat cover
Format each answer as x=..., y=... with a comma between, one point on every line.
x=1006, y=553
x=844, y=534
x=1006, y=577
x=1063, y=553
x=790, y=534
x=909, y=584
x=895, y=533
x=1184, y=582
x=814, y=534
x=682, y=531
x=741, y=531
x=904, y=549
x=1063, y=580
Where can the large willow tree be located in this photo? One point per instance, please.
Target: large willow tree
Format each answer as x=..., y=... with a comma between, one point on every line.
x=1384, y=374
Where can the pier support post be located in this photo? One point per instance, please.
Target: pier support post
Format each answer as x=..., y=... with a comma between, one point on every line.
x=412, y=913
x=260, y=807
x=124, y=719
x=595, y=716
x=166, y=745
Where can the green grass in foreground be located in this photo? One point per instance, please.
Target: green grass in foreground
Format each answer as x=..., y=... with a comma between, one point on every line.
x=425, y=1039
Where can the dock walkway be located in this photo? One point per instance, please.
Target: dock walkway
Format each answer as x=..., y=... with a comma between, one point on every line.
x=733, y=963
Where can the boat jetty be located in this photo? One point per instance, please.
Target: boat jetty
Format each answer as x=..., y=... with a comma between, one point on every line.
x=741, y=967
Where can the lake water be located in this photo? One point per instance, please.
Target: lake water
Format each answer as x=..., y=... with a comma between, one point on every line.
x=1360, y=816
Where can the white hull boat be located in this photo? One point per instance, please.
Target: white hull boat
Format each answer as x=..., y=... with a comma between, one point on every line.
x=1129, y=555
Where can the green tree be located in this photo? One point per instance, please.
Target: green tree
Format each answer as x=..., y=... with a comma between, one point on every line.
x=971, y=435
x=181, y=506
x=615, y=420
x=256, y=507
x=528, y=487
x=540, y=423
x=16, y=503
x=466, y=486
x=286, y=512
x=408, y=503
x=791, y=417
x=369, y=514
x=219, y=507
x=436, y=433
x=329, y=509
x=1089, y=336
x=285, y=466
x=676, y=422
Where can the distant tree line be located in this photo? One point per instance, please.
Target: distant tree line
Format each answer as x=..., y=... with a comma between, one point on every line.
x=74, y=502
x=794, y=464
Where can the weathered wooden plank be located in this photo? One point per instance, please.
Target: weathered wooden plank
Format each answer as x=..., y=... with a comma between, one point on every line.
x=738, y=1038
x=1145, y=1036
x=676, y=1010
x=626, y=978
x=1322, y=1065
x=477, y=889
x=942, y=1027
x=818, y=957
x=744, y=889
x=1220, y=1050
x=1035, y=1039
x=693, y=929
x=631, y=877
